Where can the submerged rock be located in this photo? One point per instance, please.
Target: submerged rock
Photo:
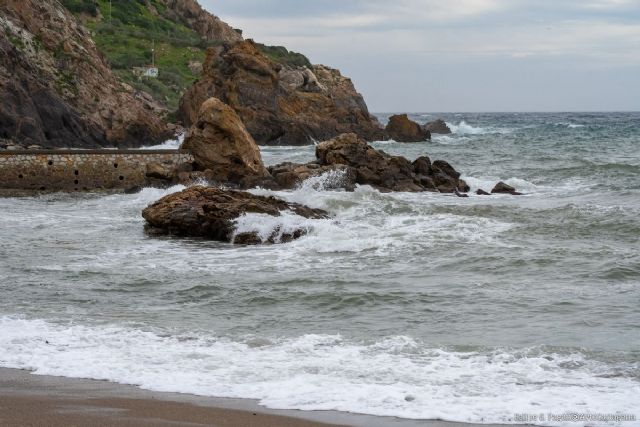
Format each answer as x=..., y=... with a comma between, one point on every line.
x=481, y=192
x=438, y=126
x=211, y=213
x=503, y=188
x=402, y=129
x=220, y=144
x=332, y=177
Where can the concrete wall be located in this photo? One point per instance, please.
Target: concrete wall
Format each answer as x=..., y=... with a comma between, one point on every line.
x=81, y=170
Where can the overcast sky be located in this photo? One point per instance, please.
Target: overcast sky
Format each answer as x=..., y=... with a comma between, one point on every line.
x=462, y=55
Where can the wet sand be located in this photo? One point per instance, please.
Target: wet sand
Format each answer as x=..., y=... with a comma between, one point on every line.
x=39, y=401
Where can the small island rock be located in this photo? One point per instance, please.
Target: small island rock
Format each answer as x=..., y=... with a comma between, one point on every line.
x=401, y=129
x=211, y=213
x=438, y=126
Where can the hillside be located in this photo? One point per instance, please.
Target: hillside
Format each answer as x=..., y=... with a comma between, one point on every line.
x=126, y=32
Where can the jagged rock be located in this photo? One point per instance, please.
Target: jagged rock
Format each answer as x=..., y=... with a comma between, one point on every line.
x=210, y=213
x=291, y=175
x=280, y=105
x=385, y=172
x=219, y=142
x=503, y=188
x=402, y=129
x=438, y=126
x=58, y=91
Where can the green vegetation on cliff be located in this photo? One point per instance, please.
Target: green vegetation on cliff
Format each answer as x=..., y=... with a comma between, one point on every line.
x=126, y=32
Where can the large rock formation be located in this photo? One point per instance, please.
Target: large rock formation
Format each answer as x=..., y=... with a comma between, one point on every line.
x=401, y=129
x=193, y=16
x=211, y=213
x=219, y=142
x=57, y=90
x=438, y=126
x=280, y=105
x=362, y=164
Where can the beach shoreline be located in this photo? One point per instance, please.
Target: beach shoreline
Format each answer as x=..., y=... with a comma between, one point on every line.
x=39, y=400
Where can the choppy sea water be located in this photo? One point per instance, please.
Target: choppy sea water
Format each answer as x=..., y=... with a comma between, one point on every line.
x=420, y=306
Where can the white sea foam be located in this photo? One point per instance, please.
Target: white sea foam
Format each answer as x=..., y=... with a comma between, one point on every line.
x=272, y=228
x=569, y=125
x=171, y=144
x=463, y=128
x=396, y=376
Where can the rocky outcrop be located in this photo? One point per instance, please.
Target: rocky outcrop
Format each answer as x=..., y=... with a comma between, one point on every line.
x=504, y=188
x=57, y=90
x=331, y=177
x=208, y=26
x=219, y=142
x=211, y=213
x=401, y=129
x=438, y=126
x=362, y=164
x=280, y=105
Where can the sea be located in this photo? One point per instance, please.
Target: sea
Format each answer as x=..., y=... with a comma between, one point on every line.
x=486, y=309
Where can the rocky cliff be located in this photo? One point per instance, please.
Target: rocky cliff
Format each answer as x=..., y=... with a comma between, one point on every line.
x=280, y=104
x=58, y=91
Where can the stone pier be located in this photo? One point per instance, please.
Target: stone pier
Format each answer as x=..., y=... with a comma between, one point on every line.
x=82, y=170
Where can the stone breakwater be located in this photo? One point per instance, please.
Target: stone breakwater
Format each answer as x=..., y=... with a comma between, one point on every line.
x=82, y=170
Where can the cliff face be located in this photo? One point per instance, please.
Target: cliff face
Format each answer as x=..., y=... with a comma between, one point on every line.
x=209, y=27
x=57, y=90
x=280, y=105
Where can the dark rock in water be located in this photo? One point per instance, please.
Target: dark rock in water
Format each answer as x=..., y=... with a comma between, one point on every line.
x=291, y=175
x=385, y=172
x=373, y=167
x=219, y=142
x=279, y=104
x=503, y=188
x=481, y=192
x=459, y=194
x=401, y=129
x=211, y=212
x=438, y=126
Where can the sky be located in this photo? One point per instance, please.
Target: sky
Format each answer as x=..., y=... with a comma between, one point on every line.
x=462, y=55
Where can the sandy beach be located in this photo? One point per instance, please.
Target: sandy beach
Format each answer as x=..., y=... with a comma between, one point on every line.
x=37, y=400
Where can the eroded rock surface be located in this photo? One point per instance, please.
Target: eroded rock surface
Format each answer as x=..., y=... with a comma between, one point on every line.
x=220, y=143
x=211, y=213
x=278, y=104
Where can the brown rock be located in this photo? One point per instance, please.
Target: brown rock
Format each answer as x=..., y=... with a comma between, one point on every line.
x=401, y=129
x=438, y=126
x=211, y=212
x=278, y=104
x=219, y=141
